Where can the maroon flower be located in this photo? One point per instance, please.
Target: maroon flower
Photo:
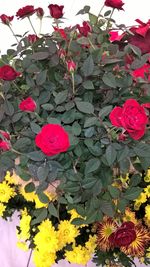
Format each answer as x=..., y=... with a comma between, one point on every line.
x=7, y=73
x=84, y=29
x=52, y=139
x=28, y=104
x=71, y=65
x=124, y=235
x=39, y=12
x=114, y=4
x=56, y=11
x=32, y=38
x=132, y=117
x=25, y=12
x=6, y=19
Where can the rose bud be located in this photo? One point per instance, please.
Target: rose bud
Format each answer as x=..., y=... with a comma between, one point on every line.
x=4, y=145
x=6, y=19
x=39, y=12
x=114, y=4
x=28, y=104
x=62, y=53
x=85, y=29
x=25, y=12
x=7, y=73
x=32, y=38
x=5, y=134
x=71, y=65
x=56, y=11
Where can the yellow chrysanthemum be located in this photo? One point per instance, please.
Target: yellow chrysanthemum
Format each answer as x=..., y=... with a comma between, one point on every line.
x=147, y=212
x=79, y=255
x=137, y=205
x=6, y=192
x=22, y=245
x=137, y=247
x=10, y=179
x=104, y=230
x=147, y=176
x=2, y=209
x=129, y=216
x=43, y=259
x=46, y=239
x=91, y=244
x=124, y=179
x=142, y=198
x=147, y=191
x=27, y=196
x=148, y=253
x=25, y=220
x=67, y=233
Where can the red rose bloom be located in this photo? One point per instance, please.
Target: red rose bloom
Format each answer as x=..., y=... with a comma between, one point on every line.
x=39, y=12
x=7, y=73
x=32, y=38
x=6, y=19
x=4, y=141
x=124, y=235
x=142, y=72
x=25, y=12
x=71, y=65
x=56, y=11
x=114, y=4
x=52, y=139
x=28, y=104
x=85, y=29
x=132, y=117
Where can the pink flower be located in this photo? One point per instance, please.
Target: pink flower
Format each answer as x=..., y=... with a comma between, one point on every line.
x=71, y=65
x=132, y=117
x=6, y=19
x=28, y=104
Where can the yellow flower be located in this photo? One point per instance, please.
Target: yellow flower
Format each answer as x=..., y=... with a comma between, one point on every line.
x=6, y=192
x=137, y=205
x=67, y=233
x=27, y=196
x=91, y=244
x=147, y=212
x=148, y=253
x=43, y=259
x=147, y=191
x=24, y=225
x=141, y=198
x=129, y=216
x=79, y=255
x=22, y=245
x=124, y=179
x=10, y=179
x=147, y=176
x=137, y=247
x=46, y=239
x=2, y=209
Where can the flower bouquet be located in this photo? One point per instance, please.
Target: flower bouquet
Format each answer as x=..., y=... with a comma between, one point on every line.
x=75, y=139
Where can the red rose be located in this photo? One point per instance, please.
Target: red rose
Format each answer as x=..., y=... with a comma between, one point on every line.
x=52, y=139
x=114, y=4
x=4, y=141
x=25, y=12
x=71, y=65
x=142, y=71
x=56, y=11
x=85, y=29
x=132, y=117
x=7, y=73
x=32, y=38
x=124, y=235
x=39, y=12
x=6, y=19
x=28, y=104
x=61, y=32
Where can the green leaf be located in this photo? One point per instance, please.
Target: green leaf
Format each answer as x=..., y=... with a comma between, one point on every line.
x=110, y=154
x=36, y=156
x=77, y=221
x=114, y=192
x=8, y=108
x=92, y=165
x=40, y=55
x=43, y=198
x=41, y=216
x=88, y=85
x=76, y=128
x=109, y=79
x=35, y=127
x=22, y=143
x=83, y=40
x=61, y=97
x=41, y=77
x=123, y=203
x=52, y=210
x=89, y=182
x=142, y=150
x=53, y=120
x=42, y=172
x=107, y=208
x=17, y=116
x=135, y=179
x=88, y=66
x=132, y=193
x=84, y=10
x=105, y=111
x=90, y=122
x=47, y=107
x=85, y=107
x=30, y=187
x=93, y=19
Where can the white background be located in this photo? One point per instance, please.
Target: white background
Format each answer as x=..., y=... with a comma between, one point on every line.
x=133, y=9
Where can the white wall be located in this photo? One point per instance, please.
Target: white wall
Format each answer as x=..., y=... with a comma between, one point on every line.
x=133, y=9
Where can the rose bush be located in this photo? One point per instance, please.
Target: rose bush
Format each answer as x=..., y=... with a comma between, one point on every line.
x=75, y=109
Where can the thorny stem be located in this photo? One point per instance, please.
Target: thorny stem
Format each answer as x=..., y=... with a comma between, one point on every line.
x=17, y=152
x=13, y=34
x=29, y=258
x=32, y=25
x=109, y=19
x=73, y=84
